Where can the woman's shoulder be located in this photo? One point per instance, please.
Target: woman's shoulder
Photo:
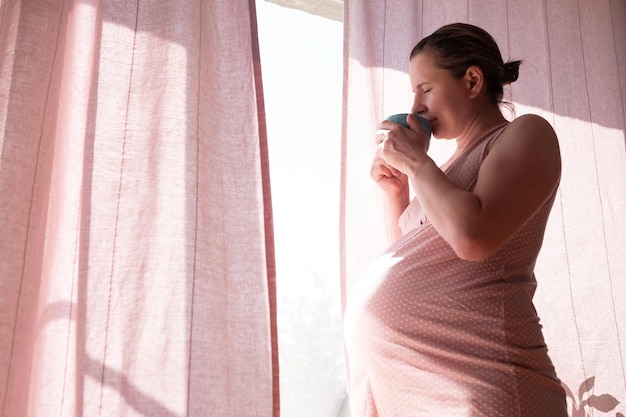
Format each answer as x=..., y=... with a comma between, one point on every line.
x=529, y=141
x=531, y=125
x=529, y=130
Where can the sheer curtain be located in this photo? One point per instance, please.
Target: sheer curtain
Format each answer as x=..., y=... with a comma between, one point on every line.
x=136, y=246
x=573, y=74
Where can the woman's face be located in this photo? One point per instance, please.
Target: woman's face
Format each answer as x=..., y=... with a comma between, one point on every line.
x=439, y=97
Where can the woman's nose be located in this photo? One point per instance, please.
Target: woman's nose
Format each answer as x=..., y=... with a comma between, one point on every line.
x=418, y=105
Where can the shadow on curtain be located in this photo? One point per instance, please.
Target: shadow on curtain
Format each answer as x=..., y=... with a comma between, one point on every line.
x=573, y=74
x=136, y=260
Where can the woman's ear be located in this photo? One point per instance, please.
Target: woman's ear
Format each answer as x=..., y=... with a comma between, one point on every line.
x=475, y=80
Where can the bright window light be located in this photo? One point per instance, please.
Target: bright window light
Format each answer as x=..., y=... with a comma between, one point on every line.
x=301, y=58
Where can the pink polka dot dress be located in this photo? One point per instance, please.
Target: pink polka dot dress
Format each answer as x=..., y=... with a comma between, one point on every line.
x=430, y=335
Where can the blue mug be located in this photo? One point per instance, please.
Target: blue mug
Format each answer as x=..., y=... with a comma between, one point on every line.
x=427, y=127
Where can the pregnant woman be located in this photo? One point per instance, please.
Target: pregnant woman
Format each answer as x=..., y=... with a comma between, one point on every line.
x=443, y=323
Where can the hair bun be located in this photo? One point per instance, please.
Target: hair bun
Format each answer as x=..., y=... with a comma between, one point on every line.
x=511, y=72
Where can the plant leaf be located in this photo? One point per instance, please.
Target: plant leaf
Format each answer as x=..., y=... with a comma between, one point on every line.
x=569, y=393
x=604, y=402
x=586, y=386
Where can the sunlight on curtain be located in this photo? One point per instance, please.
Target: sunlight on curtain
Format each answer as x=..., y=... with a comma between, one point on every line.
x=574, y=74
x=136, y=258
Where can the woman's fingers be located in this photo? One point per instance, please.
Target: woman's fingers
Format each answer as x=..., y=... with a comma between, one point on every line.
x=381, y=169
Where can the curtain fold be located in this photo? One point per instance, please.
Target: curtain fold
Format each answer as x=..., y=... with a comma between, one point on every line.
x=573, y=74
x=136, y=253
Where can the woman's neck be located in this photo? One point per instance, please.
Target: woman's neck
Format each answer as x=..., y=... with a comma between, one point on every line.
x=481, y=123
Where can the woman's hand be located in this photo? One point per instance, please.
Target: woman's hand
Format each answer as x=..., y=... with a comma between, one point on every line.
x=393, y=181
x=396, y=187
x=389, y=179
x=403, y=147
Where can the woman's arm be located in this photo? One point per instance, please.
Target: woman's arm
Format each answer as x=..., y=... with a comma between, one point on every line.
x=396, y=187
x=516, y=178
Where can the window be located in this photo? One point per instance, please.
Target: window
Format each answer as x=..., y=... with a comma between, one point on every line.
x=301, y=58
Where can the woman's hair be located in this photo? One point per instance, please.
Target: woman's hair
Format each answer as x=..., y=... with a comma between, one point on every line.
x=458, y=46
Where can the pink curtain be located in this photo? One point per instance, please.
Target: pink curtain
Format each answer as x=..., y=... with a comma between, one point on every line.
x=573, y=74
x=136, y=247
